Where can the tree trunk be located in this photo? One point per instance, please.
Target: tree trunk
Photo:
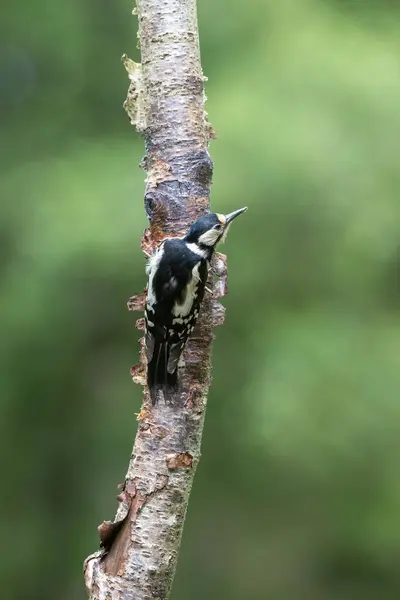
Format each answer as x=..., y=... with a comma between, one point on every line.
x=166, y=104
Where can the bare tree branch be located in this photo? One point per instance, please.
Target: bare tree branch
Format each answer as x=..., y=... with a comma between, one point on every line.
x=166, y=104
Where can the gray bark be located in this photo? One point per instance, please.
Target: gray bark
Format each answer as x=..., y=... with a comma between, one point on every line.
x=166, y=104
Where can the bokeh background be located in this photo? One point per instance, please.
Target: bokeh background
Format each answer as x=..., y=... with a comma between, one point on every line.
x=298, y=492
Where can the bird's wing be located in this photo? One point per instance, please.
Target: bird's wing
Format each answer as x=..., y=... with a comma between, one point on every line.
x=182, y=333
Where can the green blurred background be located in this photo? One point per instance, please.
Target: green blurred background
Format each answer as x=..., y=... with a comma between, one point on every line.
x=298, y=492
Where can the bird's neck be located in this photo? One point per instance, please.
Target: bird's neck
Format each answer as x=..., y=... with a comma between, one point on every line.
x=201, y=250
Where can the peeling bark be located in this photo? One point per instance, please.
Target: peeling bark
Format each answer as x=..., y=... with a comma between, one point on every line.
x=165, y=103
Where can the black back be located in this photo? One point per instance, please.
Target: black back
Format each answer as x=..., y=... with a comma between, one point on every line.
x=177, y=263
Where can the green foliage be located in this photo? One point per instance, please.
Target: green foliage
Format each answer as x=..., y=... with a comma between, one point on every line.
x=297, y=494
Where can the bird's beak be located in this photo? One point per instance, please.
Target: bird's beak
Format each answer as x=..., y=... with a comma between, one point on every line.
x=229, y=218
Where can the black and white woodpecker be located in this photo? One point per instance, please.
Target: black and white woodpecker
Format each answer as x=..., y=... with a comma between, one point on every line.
x=177, y=278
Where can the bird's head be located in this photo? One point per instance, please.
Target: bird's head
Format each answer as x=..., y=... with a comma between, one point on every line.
x=210, y=229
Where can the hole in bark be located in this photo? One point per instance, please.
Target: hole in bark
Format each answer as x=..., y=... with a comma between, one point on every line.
x=150, y=206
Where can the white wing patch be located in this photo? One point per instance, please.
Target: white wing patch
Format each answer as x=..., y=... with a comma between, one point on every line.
x=182, y=310
x=151, y=269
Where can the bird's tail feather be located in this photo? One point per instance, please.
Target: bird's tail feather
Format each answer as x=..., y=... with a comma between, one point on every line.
x=158, y=377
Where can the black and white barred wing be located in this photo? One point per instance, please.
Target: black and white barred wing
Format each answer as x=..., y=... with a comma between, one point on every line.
x=185, y=314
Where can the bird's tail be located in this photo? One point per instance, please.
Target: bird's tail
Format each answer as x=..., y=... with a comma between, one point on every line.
x=158, y=377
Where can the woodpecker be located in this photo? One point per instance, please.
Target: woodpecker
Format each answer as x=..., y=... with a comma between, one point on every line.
x=177, y=275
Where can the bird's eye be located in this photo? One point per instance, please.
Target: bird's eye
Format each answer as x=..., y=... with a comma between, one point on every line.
x=218, y=227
